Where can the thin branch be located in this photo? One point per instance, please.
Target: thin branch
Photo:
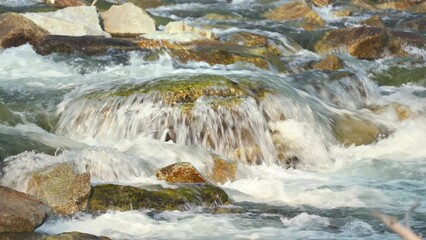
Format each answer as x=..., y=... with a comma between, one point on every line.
x=93, y=3
x=393, y=224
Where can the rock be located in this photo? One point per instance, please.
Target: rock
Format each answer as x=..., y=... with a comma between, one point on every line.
x=61, y=188
x=16, y=30
x=20, y=212
x=125, y=198
x=402, y=112
x=417, y=24
x=71, y=21
x=7, y=117
x=65, y=3
x=374, y=21
x=62, y=236
x=396, y=5
x=419, y=8
x=321, y=3
x=330, y=63
x=396, y=76
x=221, y=17
x=180, y=32
x=86, y=45
x=222, y=170
x=351, y=130
x=342, y=13
x=182, y=172
x=144, y=4
x=360, y=42
x=300, y=11
x=399, y=40
x=247, y=39
x=127, y=20
x=363, y=5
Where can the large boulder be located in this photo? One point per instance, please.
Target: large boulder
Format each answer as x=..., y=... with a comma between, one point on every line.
x=297, y=11
x=399, y=40
x=360, y=42
x=16, y=30
x=182, y=172
x=20, y=212
x=61, y=188
x=127, y=20
x=71, y=21
x=125, y=198
x=85, y=45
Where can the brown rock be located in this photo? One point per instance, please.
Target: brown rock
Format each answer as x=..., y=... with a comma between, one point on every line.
x=248, y=39
x=222, y=170
x=363, y=5
x=331, y=63
x=144, y=4
x=61, y=236
x=397, y=5
x=20, y=212
x=399, y=39
x=61, y=188
x=350, y=130
x=419, y=8
x=16, y=30
x=297, y=11
x=360, y=42
x=374, y=21
x=418, y=24
x=65, y=3
x=182, y=172
x=401, y=111
x=342, y=13
x=321, y=3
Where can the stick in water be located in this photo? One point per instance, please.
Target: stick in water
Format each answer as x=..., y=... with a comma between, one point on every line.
x=393, y=224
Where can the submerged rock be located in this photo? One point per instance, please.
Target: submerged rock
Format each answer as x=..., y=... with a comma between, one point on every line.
x=127, y=20
x=374, y=21
x=7, y=117
x=16, y=30
x=86, y=45
x=417, y=24
x=125, y=198
x=182, y=172
x=20, y=212
x=299, y=11
x=222, y=170
x=71, y=21
x=396, y=76
x=351, y=130
x=61, y=188
x=331, y=63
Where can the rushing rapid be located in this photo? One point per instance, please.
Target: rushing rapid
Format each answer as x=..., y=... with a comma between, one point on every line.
x=299, y=174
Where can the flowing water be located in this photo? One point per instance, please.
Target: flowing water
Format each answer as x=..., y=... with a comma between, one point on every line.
x=94, y=112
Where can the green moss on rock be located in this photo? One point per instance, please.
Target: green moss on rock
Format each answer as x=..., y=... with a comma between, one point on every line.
x=125, y=198
x=396, y=76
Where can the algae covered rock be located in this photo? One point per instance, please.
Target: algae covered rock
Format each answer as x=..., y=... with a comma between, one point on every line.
x=85, y=45
x=20, y=212
x=125, y=198
x=61, y=188
x=16, y=30
x=396, y=76
x=182, y=172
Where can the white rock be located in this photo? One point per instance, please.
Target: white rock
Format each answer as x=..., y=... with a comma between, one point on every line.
x=180, y=32
x=127, y=19
x=70, y=21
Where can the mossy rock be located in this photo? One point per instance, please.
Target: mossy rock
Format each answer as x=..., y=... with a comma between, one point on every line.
x=396, y=76
x=125, y=198
x=184, y=91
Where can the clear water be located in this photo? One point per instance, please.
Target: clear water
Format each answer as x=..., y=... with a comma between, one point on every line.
x=331, y=193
